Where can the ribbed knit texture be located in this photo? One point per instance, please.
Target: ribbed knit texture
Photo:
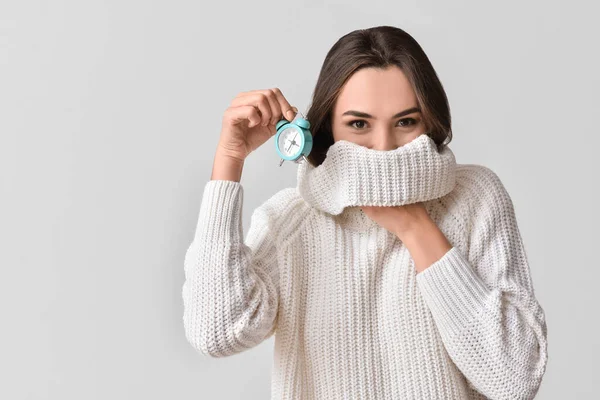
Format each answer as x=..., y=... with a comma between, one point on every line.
x=352, y=319
x=411, y=173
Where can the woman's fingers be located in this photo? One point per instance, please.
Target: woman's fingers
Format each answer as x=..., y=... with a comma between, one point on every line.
x=286, y=110
x=235, y=115
x=258, y=100
x=279, y=105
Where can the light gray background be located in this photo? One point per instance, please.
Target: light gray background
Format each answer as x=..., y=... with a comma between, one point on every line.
x=110, y=112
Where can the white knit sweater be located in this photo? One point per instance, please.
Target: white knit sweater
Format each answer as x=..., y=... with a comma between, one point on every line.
x=352, y=319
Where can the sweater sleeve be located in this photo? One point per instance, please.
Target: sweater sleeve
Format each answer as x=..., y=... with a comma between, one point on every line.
x=483, y=303
x=230, y=292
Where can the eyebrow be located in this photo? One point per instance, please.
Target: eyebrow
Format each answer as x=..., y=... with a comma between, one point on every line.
x=365, y=115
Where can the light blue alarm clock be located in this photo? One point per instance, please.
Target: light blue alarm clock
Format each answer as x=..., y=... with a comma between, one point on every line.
x=293, y=140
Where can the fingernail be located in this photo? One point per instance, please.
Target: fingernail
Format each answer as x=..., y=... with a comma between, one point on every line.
x=290, y=114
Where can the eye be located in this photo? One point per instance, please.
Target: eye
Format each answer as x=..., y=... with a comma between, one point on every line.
x=351, y=123
x=414, y=121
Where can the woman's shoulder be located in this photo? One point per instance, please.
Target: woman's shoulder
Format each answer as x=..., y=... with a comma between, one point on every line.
x=283, y=204
x=479, y=186
x=478, y=199
x=285, y=211
x=478, y=191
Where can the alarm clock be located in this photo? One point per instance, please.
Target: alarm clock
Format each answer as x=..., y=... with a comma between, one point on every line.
x=293, y=140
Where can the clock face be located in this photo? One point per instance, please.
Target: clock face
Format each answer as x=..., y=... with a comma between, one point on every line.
x=290, y=142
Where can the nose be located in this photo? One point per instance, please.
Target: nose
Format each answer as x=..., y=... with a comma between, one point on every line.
x=384, y=139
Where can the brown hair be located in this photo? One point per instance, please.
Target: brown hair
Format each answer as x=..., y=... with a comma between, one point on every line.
x=378, y=47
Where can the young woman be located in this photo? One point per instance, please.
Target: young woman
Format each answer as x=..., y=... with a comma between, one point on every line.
x=389, y=271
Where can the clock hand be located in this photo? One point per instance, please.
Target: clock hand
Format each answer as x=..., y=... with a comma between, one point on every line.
x=293, y=142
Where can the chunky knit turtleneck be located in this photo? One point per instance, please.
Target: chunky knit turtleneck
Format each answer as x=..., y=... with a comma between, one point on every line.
x=352, y=318
x=353, y=175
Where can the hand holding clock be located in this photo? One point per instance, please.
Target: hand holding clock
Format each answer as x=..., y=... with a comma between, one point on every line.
x=247, y=123
x=250, y=121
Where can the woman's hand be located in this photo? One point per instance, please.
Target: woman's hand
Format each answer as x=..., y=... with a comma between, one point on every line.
x=398, y=219
x=412, y=224
x=250, y=121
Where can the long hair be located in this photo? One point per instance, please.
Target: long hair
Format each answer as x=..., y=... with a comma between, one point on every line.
x=377, y=47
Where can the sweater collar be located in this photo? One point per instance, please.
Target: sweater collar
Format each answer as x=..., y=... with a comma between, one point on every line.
x=353, y=175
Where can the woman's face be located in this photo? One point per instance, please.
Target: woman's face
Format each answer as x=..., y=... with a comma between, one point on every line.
x=377, y=109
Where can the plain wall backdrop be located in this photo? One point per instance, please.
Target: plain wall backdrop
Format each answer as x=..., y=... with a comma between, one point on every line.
x=110, y=113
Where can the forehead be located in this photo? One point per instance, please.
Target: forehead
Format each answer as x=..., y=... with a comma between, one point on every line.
x=380, y=92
